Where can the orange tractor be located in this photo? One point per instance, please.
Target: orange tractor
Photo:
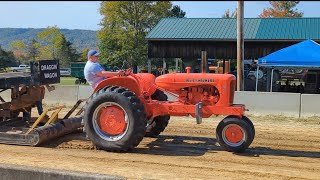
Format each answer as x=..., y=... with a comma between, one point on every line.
x=124, y=109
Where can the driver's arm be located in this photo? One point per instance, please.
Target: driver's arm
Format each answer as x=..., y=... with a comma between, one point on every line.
x=109, y=73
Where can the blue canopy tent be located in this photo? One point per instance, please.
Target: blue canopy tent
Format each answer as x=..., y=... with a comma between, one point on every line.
x=303, y=54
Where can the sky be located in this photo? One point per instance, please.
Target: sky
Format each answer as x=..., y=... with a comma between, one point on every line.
x=85, y=14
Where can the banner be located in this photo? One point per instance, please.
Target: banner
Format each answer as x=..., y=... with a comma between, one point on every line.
x=49, y=71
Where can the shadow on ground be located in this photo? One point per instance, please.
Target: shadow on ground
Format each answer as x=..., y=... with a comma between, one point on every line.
x=257, y=151
x=179, y=146
x=168, y=145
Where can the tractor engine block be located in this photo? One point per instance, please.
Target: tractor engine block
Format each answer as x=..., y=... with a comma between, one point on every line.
x=208, y=95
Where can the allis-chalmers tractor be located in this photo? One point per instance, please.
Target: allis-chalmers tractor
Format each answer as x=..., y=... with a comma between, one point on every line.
x=124, y=109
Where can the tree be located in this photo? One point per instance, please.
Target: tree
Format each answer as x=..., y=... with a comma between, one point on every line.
x=32, y=50
x=56, y=46
x=48, y=38
x=72, y=52
x=176, y=11
x=18, y=48
x=84, y=55
x=227, y=14
x=6, y=59
x=64, y=51
x=281, y=9
x=125, y=25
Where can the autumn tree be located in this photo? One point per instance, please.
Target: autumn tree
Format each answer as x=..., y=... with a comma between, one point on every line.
x=228, y=14
x=125, y=25
x=18, y=48
x=48, y=40
x=281, y=9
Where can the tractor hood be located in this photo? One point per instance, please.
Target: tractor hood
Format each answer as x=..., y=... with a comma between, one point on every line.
x=177, y=81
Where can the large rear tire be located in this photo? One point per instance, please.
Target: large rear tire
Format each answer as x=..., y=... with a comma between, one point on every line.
x=159, y=123
x=114, y=119
x=234, y=134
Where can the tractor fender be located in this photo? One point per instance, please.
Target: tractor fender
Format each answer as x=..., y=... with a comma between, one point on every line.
x=127, y=82
x=147, y=83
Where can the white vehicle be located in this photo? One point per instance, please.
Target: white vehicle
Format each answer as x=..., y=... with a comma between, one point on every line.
x=21, y=68
x=65, y=72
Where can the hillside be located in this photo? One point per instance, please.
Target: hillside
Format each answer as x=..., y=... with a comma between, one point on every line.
x=80, y=39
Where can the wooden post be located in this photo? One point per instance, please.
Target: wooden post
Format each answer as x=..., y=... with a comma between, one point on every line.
x=240, y=46
x=177, y=64
x=203, y=61
x=149, y=65
x=164, y=66
x=224, y=66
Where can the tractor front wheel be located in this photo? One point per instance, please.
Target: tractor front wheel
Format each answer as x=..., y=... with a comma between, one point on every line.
x=245, y=118
x=234, y=134
x=114, y=119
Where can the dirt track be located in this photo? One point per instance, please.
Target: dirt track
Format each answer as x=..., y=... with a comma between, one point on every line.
x=283, y=148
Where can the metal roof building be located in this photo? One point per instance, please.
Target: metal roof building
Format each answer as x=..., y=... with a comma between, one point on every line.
x=186, y=37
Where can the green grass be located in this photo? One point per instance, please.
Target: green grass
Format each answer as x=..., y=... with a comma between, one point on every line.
x=69, y=81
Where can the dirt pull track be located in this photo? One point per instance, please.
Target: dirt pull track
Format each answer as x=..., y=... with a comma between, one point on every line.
x=283, y=148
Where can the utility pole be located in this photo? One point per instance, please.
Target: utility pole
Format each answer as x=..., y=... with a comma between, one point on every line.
x=240, y=46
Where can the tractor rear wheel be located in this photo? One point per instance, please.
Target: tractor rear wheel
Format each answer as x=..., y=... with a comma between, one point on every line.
x=114, y=119
x=234, y=134
x=159, y=123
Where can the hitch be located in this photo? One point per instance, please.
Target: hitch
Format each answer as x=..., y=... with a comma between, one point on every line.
x=199, y=112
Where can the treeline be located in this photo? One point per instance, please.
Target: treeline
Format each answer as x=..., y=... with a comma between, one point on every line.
x=47, y=44
x=80, y=38
x=122, y=37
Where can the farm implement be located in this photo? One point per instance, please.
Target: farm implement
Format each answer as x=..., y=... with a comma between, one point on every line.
x=27, y=91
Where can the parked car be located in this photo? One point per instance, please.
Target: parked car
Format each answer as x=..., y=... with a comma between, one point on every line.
x=20, y=68
x=65, y=72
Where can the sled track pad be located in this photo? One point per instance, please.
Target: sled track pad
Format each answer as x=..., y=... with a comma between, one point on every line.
x=18, y=136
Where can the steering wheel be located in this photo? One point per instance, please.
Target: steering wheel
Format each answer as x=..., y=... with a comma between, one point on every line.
x=127, y=71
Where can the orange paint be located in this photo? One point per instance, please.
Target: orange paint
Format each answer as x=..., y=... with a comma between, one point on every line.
x=112, y=120
x=234, y=134
x=215, y=91
x=140, y=84
x=220, y=87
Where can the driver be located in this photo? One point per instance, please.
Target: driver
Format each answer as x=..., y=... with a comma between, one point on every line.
x=94, y=72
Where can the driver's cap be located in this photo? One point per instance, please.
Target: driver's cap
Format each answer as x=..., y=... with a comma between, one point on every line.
x=93, y=52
